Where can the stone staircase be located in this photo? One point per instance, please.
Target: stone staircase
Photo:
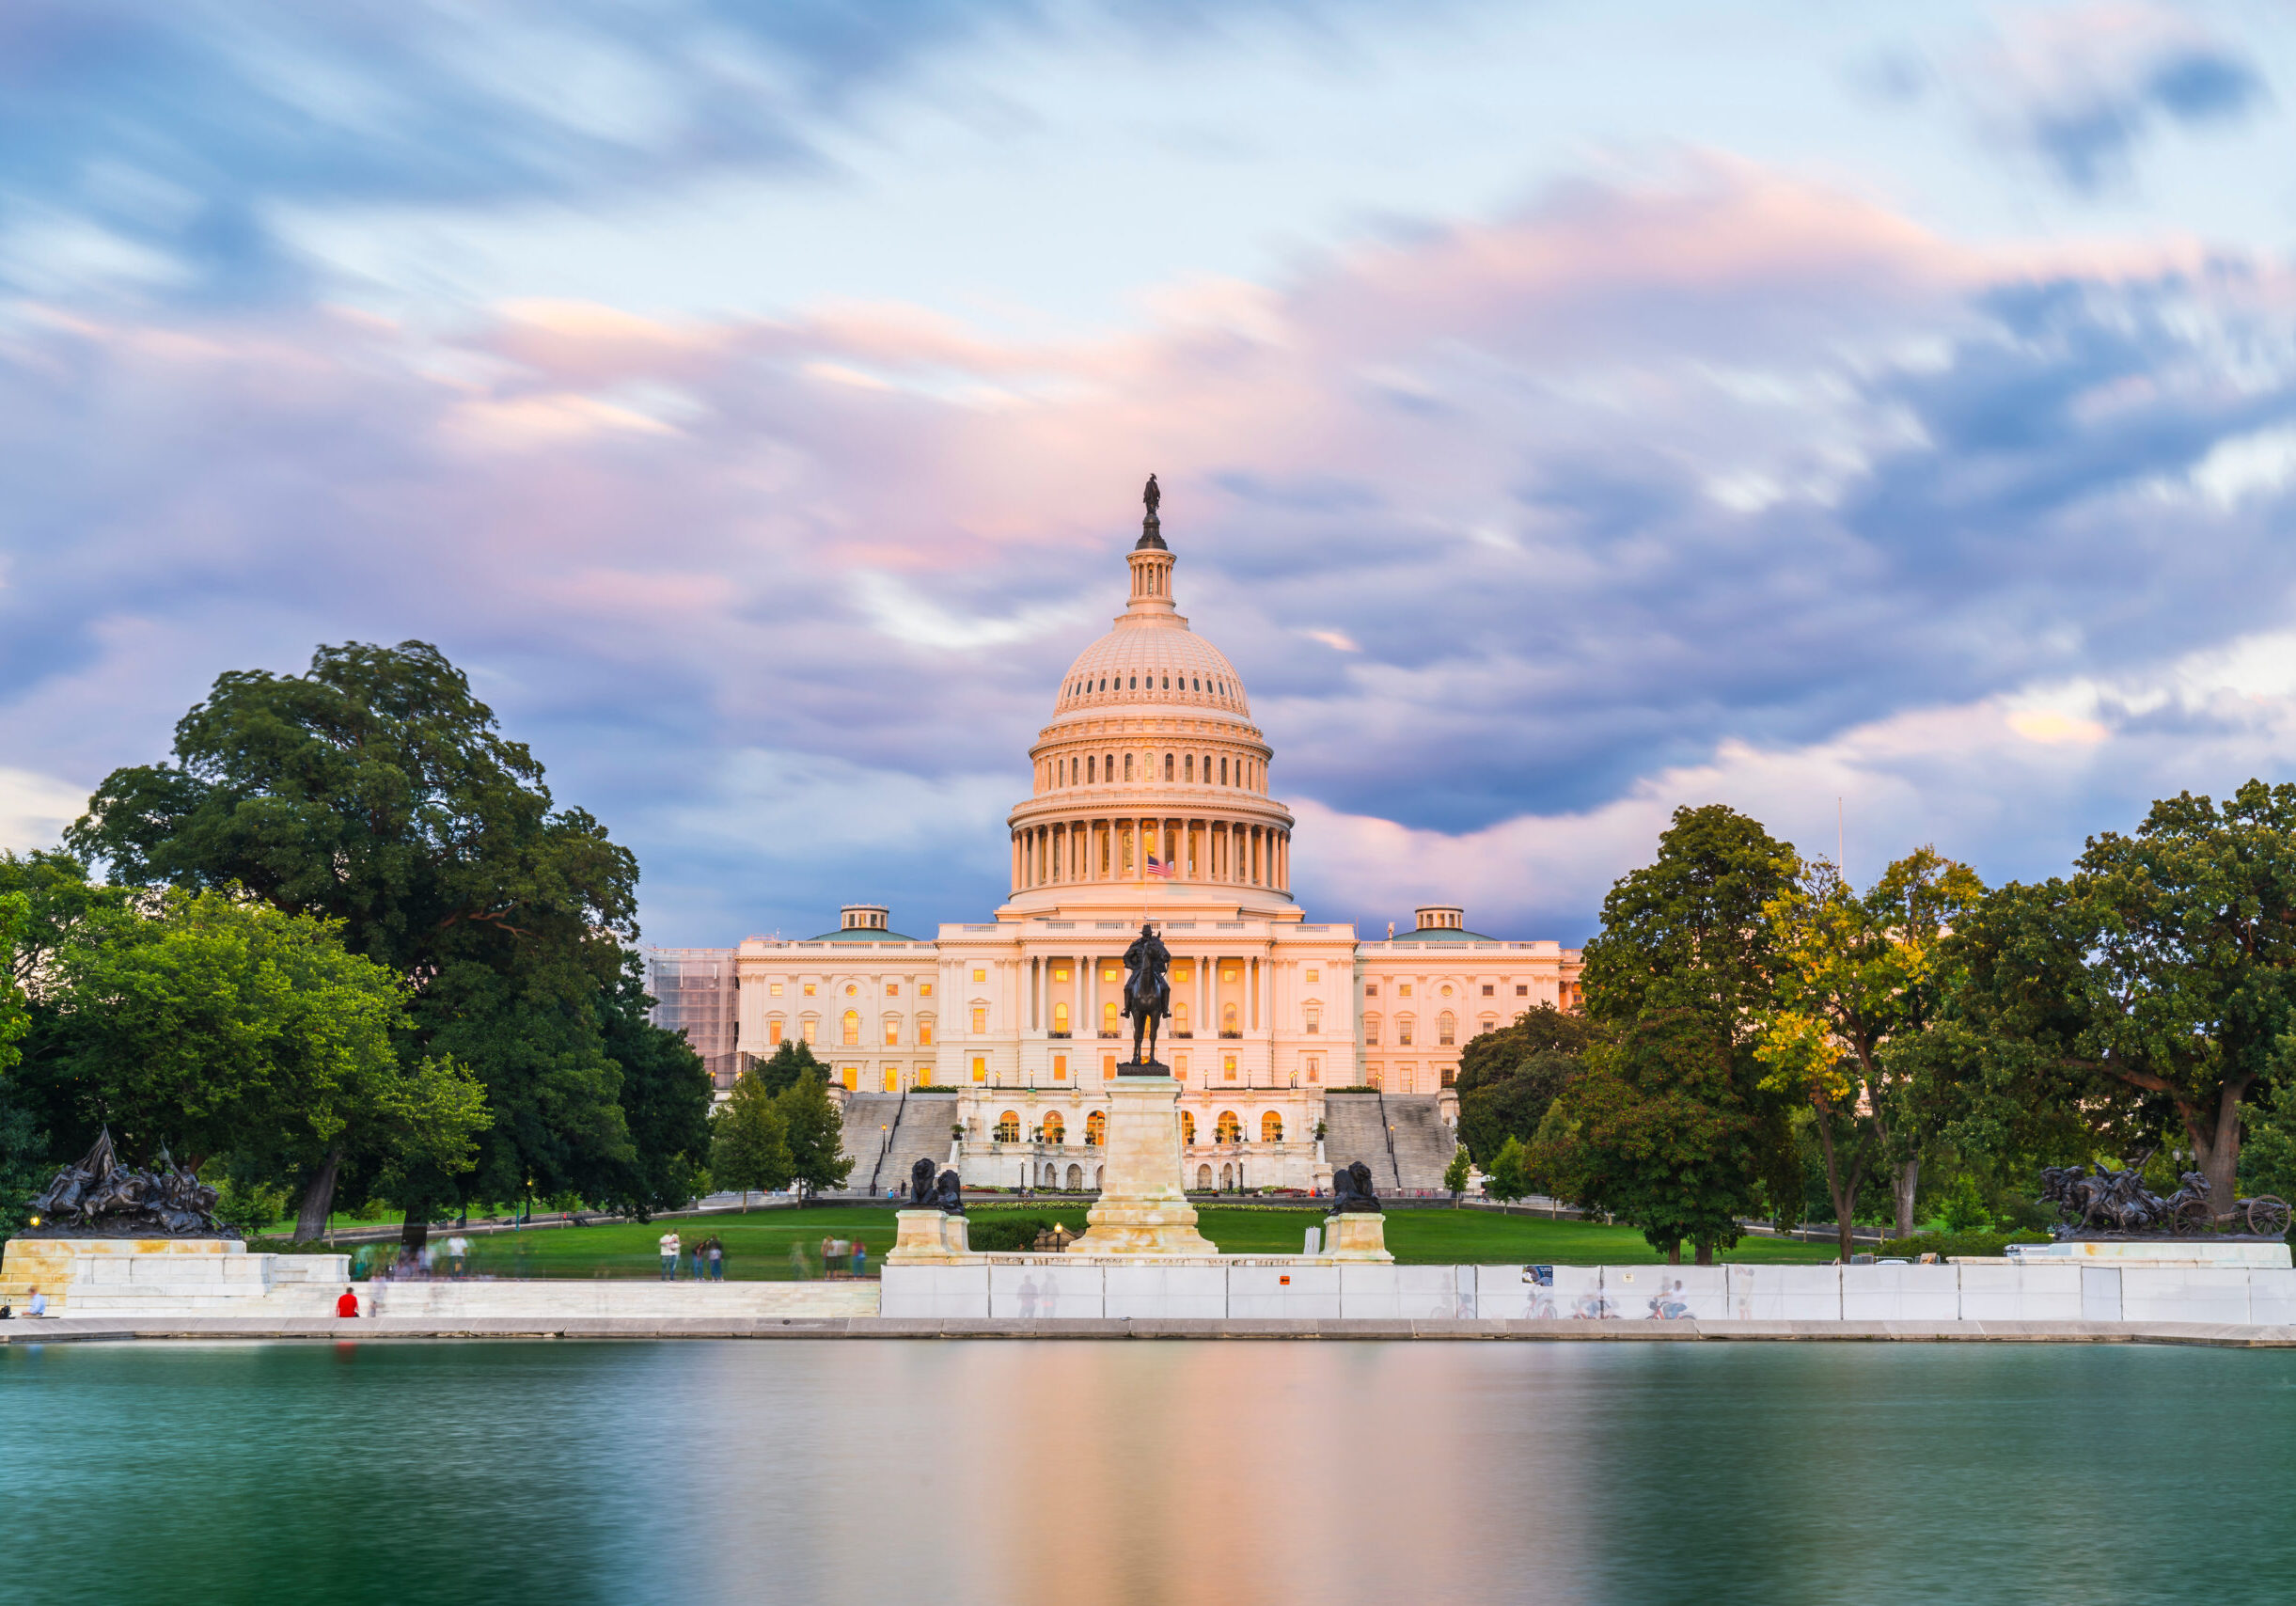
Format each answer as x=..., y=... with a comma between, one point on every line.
x=1424, y=1142
x=869, y=1118
x=1354, y=1128
x=923, y=1134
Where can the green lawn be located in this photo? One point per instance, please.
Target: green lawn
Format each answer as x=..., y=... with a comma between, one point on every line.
x=758, y=1242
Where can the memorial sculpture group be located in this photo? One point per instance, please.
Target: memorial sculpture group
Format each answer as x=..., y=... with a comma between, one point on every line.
x=99, y=1198
x=2117, y=1203
x=1142, y=1211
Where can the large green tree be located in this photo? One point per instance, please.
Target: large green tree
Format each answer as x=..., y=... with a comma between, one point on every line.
x=1669, y=1126
x=375, y=790
x=749, y=1139
x=665, y=1099
x=2155, y=988
x=207, y=1025
x=1854, y=980
x=816, y=1133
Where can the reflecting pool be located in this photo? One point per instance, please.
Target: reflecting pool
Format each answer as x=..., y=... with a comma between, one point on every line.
x=1206, y=1473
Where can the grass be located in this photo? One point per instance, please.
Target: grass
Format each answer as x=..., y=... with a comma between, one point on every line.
x=759, y=1242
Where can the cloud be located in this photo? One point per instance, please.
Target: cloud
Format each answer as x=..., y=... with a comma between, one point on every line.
x=2083, y=88
x=1718, y=484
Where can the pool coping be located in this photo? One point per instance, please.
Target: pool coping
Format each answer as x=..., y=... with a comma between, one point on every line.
x=114, y=1329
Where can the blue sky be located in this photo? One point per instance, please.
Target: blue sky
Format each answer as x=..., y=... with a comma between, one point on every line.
x=1565, y=411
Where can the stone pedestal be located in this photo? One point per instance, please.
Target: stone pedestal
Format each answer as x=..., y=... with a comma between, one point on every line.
x=52, y=1265
x=1142, y=1210
x=2260, y=1252
x=928, y=1237
x=1357, y=1234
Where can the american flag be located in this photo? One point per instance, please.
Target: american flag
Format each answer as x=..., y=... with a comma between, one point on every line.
x=1159, y=867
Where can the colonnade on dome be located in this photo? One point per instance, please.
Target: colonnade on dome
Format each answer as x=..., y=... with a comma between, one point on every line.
x=1205, y=850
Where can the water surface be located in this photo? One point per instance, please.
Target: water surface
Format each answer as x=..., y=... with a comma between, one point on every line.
x=1205, y=1473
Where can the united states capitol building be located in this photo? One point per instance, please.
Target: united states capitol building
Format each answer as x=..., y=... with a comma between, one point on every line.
x=1297, y=1044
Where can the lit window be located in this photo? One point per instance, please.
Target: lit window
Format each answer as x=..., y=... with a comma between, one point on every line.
x=892, y=1034
x=924, y=989
x=1271, y=1128
x=980, y=1019
x=1107, y=972
x=980, y=1068
x=1008, y=1126
x=850, y=1076
x=773, y=1034
x=1059, y=1067
x=852, y=1028
x=1446, y=990
x=1182, y=973
x=1228, y=1129
x=1227, y=1067
x=1060, y=972
x=1230, y=974
x=851, y=990
x=1055, y=1129
x=1402, y=1030
x=808, y=989
x=979, y=973
x=1446, y=1030
x=1060, y=1018
x=1313, y=975
x=1097, y=1130
x=924, y=1034
x=1179, y=1066
x=775, y=989
x=892, y=989
x=1108, y=1067
x=1188, y=1125
x=813, y=1029
x=925, y=1075
x=1108, y=1016
x=1405, y=990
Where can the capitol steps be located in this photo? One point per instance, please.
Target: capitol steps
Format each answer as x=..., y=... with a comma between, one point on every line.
x=923, y=1134
x=1424, y=1142
x=869, y=1117
x=1354, y=1128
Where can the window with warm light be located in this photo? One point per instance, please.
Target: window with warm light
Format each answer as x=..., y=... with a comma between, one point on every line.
x=808, y=989
x=1446, y=1030
x=1403, y=1029
x=1227, y=1067
x=1097, y=1130
x=1405, y=990
x=852, y=1033
x=892, y=1034
x=980, y=1068
x=1060, y=972
x=773, y=1034
x=1313, y=976
x=813, y=1029
x=980, y=1019
x=1060, y=1018
x=1008, y=1126
x=1059, y=1067
x=980, y=973
x=1188, y=1125
x=1108, y=1067
x=1271, y=1128
x=924, y=1034
x=775, y=988
x=924, y=989
x=892, y=989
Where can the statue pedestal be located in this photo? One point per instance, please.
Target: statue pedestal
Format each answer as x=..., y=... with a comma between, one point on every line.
x=1357, y=1234
x=928, y=1237
x=1142, y=1211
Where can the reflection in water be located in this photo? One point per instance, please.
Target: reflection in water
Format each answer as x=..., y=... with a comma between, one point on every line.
x=1207, y=1473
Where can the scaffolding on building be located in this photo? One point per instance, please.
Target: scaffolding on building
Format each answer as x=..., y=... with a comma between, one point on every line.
x=697, y=991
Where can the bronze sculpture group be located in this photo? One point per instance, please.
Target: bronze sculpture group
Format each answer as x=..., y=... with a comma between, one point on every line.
x=2117, y=1203
x=944, y=1192
x=99, y=1198
x=1147, y=998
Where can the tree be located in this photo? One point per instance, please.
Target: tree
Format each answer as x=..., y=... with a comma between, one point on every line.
x=375, y=790
x=665, y=1098
x=749, y=1139
x=1664, y=1131
x=1455, y=1174
x=792, y=1061
x=816, y=1134
x=215, y=1025
x=1509, y=1177
x=1667, y=1126
x=1507, y=1078
x=1853, y=980
x=2155, y=987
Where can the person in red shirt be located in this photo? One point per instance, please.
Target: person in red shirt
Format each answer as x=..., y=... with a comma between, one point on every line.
x=347, y=1305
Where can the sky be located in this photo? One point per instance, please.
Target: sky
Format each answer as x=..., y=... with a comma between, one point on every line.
x=1881, y=420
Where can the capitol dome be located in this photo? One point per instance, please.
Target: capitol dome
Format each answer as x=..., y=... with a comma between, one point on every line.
x=1151, y=780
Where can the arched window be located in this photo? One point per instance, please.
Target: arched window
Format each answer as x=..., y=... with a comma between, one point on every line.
x=852, y=1032
x=1090, y=765
x=1446, y=1029
x=1223, y=769
x=1107, y=767
x=1227, y=1021
x=1203, y=1179
x=980, y=1019
x=1229, y=1129
x=1188, y=767
x=1055, y=1131
x=1403, y=1029
x=1166, y=767
x=1316, y=1014
x=924, y=1031
x=1179, y=1019
x=1008, y=1126
x=1108, y=1018
x=811, y=1031
x=1127, y=766
x=1371, y=1031
x=1271, y=1128
x=1060, y=1020
x=1188, y=1125
x=773, y=1032
x=1096, y=1128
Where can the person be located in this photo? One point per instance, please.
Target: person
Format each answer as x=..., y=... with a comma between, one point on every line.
x=860, y=1257
x=797, y=1260
x=700, y=1268
x=458, y=1247
x=669, y=1257
x=38, y=1304
x=347, y=1305
x=718, y=1260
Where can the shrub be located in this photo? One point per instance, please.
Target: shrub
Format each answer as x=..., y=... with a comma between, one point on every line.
x=1947, y=1245
x=1007, y=1232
